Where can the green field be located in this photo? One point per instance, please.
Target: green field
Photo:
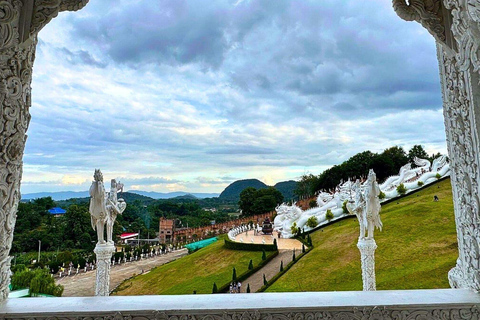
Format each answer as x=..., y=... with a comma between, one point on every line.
x=416, y=248
x=197, y=271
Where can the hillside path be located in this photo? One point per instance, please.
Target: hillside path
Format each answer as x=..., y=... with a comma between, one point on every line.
x=270, y=270
x=83, y=284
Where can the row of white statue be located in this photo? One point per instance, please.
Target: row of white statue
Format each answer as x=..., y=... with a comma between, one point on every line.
x=411, y=178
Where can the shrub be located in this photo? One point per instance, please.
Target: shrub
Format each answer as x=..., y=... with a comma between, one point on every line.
x=420, y=183
x=38, y=280
x=293, y=256
x=344, y=207
x=303, y=248
x=234, y=274
x=381, y=195
x=248, y=288
x=312, y=204
x=329, y=215
x=275, y=244
x=265, y=282
x=214, y=289
x=294, y=229
x=438, y=176
x=401, y=189
x=312, y=222
x=281, y=266
x=250, y=265
x=309, y=240
x=264, y=255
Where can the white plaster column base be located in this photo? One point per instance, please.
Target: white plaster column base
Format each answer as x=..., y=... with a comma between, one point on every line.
x=104, y=254
x=367, y=252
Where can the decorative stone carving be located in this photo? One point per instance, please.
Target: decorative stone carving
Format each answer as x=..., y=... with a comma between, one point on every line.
x=427, y=12
x=367, y=249
x=104, y=255
x=16, y=62
x=459, y=69
x=366, y=313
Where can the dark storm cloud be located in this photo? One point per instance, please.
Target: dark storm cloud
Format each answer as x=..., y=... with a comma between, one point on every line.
x=308, y=48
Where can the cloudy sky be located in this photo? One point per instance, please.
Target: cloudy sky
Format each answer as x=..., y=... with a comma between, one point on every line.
x=192, y=95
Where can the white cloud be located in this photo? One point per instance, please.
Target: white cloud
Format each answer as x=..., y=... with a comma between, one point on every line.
x=196, y=91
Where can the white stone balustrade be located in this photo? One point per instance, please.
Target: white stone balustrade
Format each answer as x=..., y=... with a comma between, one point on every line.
x=400, y=305
x=237, y=230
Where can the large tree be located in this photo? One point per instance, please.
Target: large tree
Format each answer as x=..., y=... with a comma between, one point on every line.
x=253, y=201
x=417, y=151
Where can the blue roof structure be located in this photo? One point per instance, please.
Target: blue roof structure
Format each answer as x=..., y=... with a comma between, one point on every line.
x=57, y=210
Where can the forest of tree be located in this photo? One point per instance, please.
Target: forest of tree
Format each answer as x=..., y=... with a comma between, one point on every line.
x=384, y=164
x=73, y=230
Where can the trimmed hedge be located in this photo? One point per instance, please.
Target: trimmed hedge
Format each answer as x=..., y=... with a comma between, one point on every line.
x=229, y=244
x=247, y=274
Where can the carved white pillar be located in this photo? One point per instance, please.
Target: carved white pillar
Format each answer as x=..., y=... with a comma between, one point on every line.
x=367, y=254
x=455, y=24
x=104, y=254
x=20, y=22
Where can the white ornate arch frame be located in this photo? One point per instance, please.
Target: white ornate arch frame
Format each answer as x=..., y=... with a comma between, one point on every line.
x=455, y=25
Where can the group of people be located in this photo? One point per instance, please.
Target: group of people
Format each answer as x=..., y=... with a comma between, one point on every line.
x=235, y=287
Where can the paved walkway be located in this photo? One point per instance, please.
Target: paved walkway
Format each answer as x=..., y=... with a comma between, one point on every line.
x=287, y=244
x=83, y=284
x=270, y=270
x=285, y=248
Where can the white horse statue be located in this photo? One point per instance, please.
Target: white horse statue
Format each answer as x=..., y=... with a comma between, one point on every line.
x=373, y=207
x=98, y=209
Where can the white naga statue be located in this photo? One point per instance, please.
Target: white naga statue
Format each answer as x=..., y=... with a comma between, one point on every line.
x=104, y=208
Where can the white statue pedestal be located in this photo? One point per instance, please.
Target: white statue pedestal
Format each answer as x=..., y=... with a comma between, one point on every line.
x=367, y=252
x=104, y=254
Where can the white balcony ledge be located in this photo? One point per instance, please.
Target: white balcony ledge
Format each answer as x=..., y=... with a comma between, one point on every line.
x=391, y=304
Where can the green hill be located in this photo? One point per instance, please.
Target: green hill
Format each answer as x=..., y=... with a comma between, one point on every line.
x=197, y=271
x=232, y=192
x=287, y=188
x=416, y=249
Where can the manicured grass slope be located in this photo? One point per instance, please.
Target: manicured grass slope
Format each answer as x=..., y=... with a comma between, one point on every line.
x=197, y=271
x=416, y=248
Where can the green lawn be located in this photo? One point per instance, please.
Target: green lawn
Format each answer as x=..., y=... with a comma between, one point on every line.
x=416, y=248
x=196, y=271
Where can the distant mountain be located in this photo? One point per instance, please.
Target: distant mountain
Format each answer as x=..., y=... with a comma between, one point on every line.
x=187, y=196
x=129, y=197
x=65, y=195
x=232, y=192
x=62, y=195
x=169, y=195
x=287, y=188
